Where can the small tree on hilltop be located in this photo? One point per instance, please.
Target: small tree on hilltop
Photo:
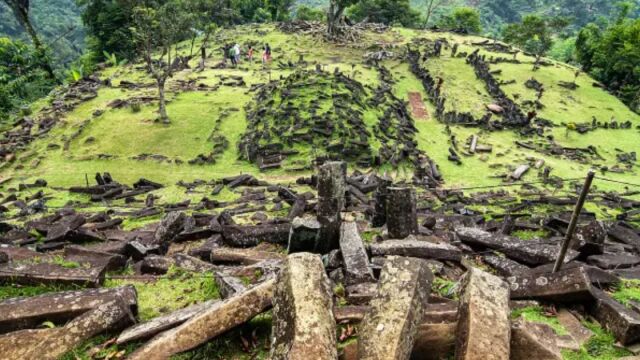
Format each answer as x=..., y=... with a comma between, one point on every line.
x=462, y=19
x=534, y=34
x=157, y=29
x=335, y=18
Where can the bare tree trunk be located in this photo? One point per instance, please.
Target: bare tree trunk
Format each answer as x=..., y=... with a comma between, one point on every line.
x=162, y=110
x=333, y=18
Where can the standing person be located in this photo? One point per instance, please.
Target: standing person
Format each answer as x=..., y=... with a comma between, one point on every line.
x=232, y=55
x=250, y=54
x=267, y=49
x=236, y=51
x=225, y=53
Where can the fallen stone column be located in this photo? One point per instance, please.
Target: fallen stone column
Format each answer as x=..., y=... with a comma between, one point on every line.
x=389, y=328
x=30, y=312
x=568, y=285
x=533, y=341
x=332, y=185
x=381, y=194
x=242, y=256
x=215, y=320
x=356, y=262
x=49, y=273
x=303, y=322
x=622, y=322
x=483, y=318
x=50, y=344
x=416, y=248
x=402, y=219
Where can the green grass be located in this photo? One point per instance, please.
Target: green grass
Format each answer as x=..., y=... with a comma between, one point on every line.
x=600, y=347
x=529, y=234
x=15, y=290
x=535, y=314
x=443, y=287
x=175, y=290
x=628, y=290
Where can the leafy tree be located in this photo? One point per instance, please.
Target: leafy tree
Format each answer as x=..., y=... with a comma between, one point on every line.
x=613, y=57
x=335, y=15
x=157, y=30
x=386, y=12
x=279, y=9
x=533, y=34
x=22, y=75
x=462, y=19
x=21, y=9
x=307, y=13
x=430, y=7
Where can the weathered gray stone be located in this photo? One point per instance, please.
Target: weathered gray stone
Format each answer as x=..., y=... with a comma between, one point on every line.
x=30, y=312
x=402, y=219
x=228, y=286
x=567, y=285
x=389, y=328
x=483, y=317
x=242, y=256
x=303, y=322
x=332, y=186
x=161, y=323
x=170, y=226
x=416, y=248
x=589, y=239
x=533, y=341
x=303, y=236
x=434, y=341
x=82, y=255
x=28, y=273
x=51, y=344
x=574, y=327
x=215, y=320
x=614, y=261
x=622, y=322
x=252, y=235
x=504, y=266
x=356, y=262
x=519, y=250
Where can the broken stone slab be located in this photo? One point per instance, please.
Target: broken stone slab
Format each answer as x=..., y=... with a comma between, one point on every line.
x=64, y=227
x=349, y=313
x=228, y=286
x=589, y=239
x=303, y=322
x=170, y=226
x=31, y=312
x=625, y=235
x=483, y=317
x=48, y=273
x=504, y=266
x=361, y=293
x=252, y=235
x=434, y=341
x=567, y=285
x=303, y=236
x=161, y=323
x=533, y=341
x=332, y=186
x=356, y=262
x=51, y=344
x=416, y=248
x=402, y=219
x=520, y=171
x=215, y=320
x=516, y=249
x=574, y=327
x=243, y=256
x=613, y=261
x=110, y=261
x=622, y=322
x=389, y=328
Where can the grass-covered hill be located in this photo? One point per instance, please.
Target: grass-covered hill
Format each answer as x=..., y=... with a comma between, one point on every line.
x=352, y=109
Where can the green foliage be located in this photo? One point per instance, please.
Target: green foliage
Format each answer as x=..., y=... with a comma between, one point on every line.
x=392, y=12
x=627, y=290
x=443, y=287
x=602, y=346
x=16, y=290
x=59, y=260
x=529, y=234
x=307, y=13
x=564, y=50
x=612, y=56
x=462, y=19
x=535, y=314
x=533, y=34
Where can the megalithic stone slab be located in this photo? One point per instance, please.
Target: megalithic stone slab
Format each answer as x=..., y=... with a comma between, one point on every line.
x=402, y=219
x=356, y=262
x=50, y=344
x=568, y=285
x=243, y=256
x=622, y=322
x=48, y=273
x=206, y=325
x=533, y=341
x=434, y=341
x=382, y=191
x=332, y=186
x=389, y=328
x=159, y=324
x=303, y=322
x=516, y=249
x=416, y=248
x=252, y=235
x=30, y=312
x=483, y=318
x=170, y=226
x=303, y=236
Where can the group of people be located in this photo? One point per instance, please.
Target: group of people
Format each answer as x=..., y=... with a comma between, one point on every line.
x=234, y=52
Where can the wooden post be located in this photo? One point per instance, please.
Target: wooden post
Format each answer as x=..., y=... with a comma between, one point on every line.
x=574, y=221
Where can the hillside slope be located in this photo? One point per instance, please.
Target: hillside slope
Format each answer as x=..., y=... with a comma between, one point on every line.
x=106, y=133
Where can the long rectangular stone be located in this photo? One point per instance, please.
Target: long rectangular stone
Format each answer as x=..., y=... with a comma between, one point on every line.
x=242, y=256
x=527, y=252
x=30, y=312
x=483, y=318
x=206, y=325
x=303, y=322
x=50, y=273
x=356, y=262
x=252, y=235
x=416, y=248
x=622, y=322
x=389, y=328
x=567, y=285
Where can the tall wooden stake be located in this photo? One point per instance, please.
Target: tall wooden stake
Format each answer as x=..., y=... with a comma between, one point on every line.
x=574, y=221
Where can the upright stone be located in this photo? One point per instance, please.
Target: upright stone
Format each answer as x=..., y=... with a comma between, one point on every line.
x=389, y=328
x=303, y=235
x=303, y=322
x=356, y=262
x=483, y=318
x=402, y=220
x=332, y=185
x=381, y=194
x=533, y=341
